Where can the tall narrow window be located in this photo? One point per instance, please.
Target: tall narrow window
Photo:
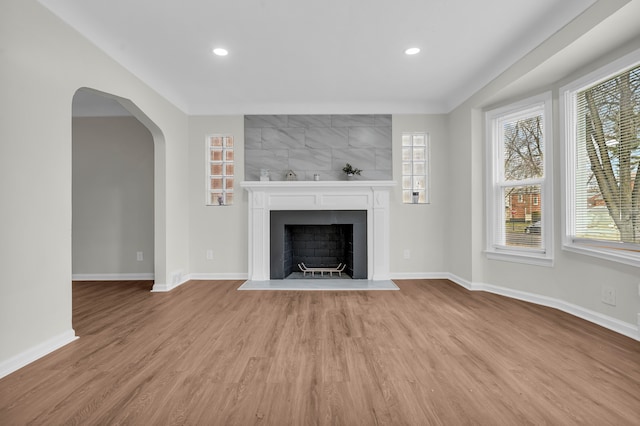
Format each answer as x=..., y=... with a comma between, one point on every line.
x=518, y=205
x=602, y=136
x=415, y=168
x=219, y=170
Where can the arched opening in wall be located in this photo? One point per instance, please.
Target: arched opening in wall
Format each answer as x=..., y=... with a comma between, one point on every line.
x=117, y=191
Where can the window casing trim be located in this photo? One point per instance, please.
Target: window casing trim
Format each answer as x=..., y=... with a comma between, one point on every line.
x=615, y=252
x=494, y=214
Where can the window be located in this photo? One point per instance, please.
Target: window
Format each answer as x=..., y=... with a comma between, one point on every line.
x=415, y=168
x=219, y=170
x=602, y=157
x=519, y=214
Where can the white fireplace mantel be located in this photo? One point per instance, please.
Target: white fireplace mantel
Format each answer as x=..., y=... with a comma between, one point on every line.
x=372, y=196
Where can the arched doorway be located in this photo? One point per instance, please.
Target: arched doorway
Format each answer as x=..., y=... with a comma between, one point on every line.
x=118, y=190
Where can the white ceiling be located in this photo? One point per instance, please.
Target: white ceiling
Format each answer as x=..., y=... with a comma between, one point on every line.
x=324, y=56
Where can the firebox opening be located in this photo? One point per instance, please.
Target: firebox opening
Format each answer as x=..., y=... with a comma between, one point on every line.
x=318, y=246
x=319, y=239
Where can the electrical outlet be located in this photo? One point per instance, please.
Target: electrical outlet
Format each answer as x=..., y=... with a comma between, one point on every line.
x=209, y=254
x=407, y=254
x=139, y=256
x=608, y=295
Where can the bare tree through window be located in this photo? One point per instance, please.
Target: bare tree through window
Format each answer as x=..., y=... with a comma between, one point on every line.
x=610, y=115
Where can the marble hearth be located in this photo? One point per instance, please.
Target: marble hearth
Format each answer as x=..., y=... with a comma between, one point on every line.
x=369, y=196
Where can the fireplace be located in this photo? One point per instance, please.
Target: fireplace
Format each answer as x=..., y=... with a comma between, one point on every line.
x=318, y=238
x=369, y=198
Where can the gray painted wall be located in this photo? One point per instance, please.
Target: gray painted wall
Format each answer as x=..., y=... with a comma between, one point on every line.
x=113, y=212
x=322, y=144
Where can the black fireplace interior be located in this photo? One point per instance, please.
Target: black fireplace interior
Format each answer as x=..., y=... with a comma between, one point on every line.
x=318, y=246
x=318, y=238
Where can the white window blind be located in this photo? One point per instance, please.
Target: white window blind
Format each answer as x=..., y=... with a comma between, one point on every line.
x=607, y=154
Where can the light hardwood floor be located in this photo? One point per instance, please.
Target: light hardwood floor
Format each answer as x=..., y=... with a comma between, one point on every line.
x=431, y=353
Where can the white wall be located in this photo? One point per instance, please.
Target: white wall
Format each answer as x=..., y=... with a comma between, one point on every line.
x=420, y=228
x=574, y=282
x=459, y=177
x=222, y=229
x=42, y=64
x=112, y=198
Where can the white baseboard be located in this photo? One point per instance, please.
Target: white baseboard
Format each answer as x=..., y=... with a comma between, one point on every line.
x=160, y=288
x=165, y=287
x=27, y=357
x=602, y=320
x=113, y=277
x=180, y=279
x=461, y=282
x=220, y=276
x=420, y=275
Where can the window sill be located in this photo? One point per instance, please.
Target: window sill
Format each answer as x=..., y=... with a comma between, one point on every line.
x=520, y=257
x=619, y=256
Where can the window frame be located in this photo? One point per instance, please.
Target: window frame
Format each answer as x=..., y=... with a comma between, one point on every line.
x=567, y=102
x=494, y=184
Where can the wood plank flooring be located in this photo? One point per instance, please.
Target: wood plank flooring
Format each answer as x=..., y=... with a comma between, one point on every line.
x=431, y=353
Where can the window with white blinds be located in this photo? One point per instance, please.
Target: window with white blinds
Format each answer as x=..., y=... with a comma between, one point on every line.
x=519, y=215
x=602, y=137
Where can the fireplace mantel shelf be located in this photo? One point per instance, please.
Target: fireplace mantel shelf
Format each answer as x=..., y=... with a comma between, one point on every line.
x=311, y=184
x=369, y=195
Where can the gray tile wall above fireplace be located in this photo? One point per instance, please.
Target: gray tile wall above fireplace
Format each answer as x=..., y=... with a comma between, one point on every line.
x=317, y=144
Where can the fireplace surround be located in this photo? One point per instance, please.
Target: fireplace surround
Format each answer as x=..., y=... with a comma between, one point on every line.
x=369, y=196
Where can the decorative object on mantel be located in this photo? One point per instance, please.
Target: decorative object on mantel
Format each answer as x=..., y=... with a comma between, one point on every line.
x=264, y=175
x=351, y=171
x=291, y=175
x=316, y=177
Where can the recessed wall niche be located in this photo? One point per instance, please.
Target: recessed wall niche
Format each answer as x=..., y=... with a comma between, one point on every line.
x=317, y=145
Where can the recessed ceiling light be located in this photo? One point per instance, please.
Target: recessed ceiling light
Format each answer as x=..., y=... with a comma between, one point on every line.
x=220, y=51
x=412, y=50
